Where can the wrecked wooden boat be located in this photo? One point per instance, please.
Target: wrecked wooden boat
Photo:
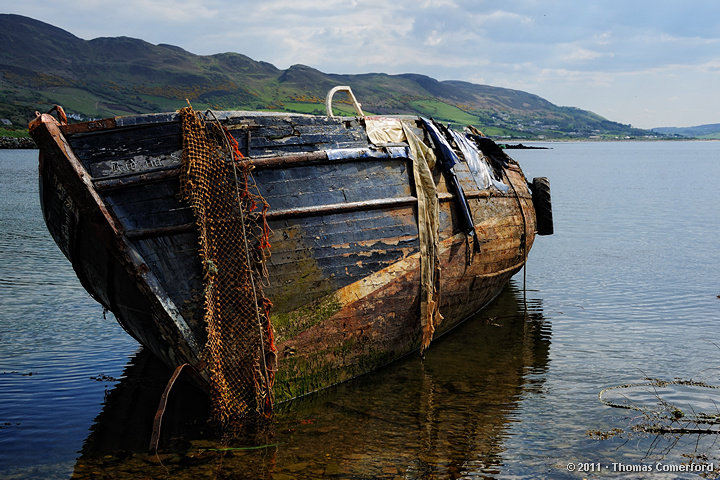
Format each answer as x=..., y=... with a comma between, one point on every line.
x=284, y=253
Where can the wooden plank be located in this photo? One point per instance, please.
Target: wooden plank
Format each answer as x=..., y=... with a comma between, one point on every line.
x=135, y=165
x=268, y=136
x=149, y=206
x=124, y=143
x=322, y=184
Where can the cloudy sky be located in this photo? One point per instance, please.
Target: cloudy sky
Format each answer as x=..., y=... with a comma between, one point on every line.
x=649, y=63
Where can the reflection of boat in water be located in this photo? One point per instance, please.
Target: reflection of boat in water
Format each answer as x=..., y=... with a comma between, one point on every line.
x=382, y=227
x=126, y=421
x=442, y=417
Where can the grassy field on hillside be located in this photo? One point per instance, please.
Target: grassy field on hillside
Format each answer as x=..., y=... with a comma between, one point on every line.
x=443, y=112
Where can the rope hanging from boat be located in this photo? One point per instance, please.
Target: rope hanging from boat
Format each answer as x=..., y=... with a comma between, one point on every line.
x=240, y=352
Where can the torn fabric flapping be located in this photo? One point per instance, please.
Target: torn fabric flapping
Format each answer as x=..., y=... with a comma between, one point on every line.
x=477, y=163
x=388, y=131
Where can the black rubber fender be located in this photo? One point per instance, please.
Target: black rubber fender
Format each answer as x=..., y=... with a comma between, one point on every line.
x=543, y=205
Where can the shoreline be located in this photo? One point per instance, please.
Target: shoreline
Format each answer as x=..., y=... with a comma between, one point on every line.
x=11, y=143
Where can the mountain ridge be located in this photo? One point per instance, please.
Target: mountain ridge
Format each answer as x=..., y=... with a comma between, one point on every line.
x=44, y=65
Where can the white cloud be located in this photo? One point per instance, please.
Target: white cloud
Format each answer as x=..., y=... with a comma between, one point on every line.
x=434, y=38
x=579, y=54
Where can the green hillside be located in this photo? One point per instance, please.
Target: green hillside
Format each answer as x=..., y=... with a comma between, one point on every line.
x=41, y=65
x=706, y=132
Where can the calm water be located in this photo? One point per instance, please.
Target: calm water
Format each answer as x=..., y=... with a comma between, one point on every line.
x=626, y=289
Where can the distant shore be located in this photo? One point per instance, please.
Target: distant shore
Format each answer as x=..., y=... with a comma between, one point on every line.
x=520, y=146
x=14, y=142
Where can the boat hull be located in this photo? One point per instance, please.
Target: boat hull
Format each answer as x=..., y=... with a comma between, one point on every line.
x=344, y=275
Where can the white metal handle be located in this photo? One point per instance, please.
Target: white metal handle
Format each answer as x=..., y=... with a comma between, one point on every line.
x=328, y=100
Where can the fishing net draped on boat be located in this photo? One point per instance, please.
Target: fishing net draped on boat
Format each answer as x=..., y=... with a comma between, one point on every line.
x=230, y=214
